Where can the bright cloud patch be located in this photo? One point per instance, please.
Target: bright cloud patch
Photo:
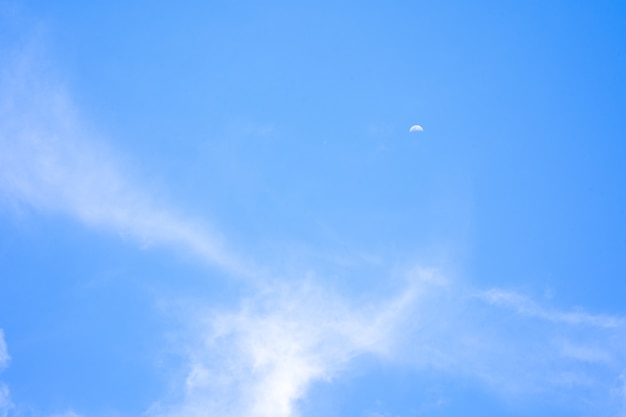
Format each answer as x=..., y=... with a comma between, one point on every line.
x=260, y=360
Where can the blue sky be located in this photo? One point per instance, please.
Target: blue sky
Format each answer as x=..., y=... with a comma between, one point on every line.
x=217, y=209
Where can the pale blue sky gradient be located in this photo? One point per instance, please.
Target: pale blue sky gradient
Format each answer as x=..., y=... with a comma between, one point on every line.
x=217, y=209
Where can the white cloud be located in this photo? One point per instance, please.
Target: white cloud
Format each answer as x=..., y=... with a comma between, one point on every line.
x=5, y=400
x=259, y=361
x=527, y=307
x=621, y=393
x=540, y=350
x=67, y=414
x=4, y=353
x=51, y=160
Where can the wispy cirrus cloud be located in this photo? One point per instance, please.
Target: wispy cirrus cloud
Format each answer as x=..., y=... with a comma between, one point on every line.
x=67, y=414
x=53, y=161
x=522, y=348
x=5, y=400
x=527, y=307
x=4, y=353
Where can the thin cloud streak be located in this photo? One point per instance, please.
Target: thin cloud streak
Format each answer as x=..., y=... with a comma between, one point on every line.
x=52, y=161
x=4, y=353
x=5, y=401
x=526, y=307
x=519, y=348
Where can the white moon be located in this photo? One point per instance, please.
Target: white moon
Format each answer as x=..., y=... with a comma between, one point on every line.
x=416, y=128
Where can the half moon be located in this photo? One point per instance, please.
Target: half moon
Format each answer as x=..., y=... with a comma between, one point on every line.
x=416, y=128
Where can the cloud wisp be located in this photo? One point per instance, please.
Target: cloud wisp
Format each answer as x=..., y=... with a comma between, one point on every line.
x=52, y=161
x=5, y=400
x=527, y=307
x=578, y=338
x=4, y=353
x=520, y=348
x=260, y=360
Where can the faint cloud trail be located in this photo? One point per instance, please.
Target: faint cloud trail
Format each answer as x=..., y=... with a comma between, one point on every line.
x=52, y=161
x=5, y=401
x=529, y=308
x=518, y=347
x=4, y=353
